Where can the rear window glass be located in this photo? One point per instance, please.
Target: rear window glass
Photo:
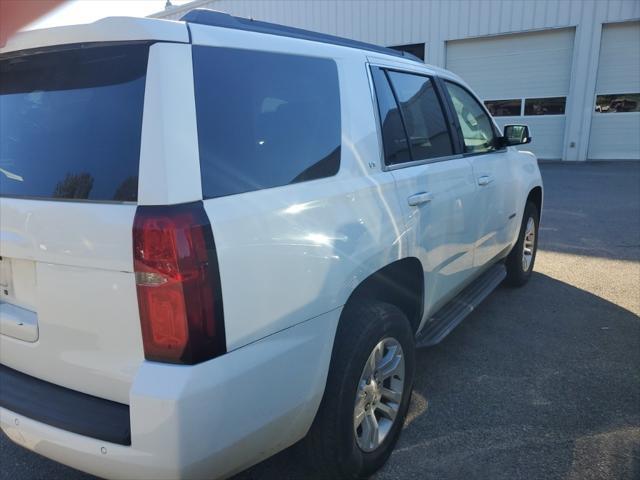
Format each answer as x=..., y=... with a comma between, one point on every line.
x=70, y=123
x=264, y=119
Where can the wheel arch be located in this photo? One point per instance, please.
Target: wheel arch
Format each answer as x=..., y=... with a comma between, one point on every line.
x=535, y=196
x=400, y=283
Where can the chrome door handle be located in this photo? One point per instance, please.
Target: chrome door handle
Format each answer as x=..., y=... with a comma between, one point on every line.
x=420, y=198
x=485, y=180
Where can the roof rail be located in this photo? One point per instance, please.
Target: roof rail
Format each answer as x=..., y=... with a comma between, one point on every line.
x=214, y=18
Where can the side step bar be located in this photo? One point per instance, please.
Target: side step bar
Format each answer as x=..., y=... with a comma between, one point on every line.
x=450, y=316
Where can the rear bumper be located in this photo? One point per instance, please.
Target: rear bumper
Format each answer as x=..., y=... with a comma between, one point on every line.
x=64, y=408
x=204, y=421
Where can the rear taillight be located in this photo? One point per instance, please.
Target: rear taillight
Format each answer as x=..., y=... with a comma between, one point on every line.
x=178, y=284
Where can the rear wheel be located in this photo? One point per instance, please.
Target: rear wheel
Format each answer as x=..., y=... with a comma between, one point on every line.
x=523, y=255
x=367, y=394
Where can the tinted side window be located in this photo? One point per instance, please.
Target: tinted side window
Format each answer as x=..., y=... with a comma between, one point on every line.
x=423, y=118
x=264, y=119
x=477, y=128
x=71, y=121
x=394, y=139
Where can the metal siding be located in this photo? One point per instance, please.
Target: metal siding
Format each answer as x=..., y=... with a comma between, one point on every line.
x=435, y=22
x=389, y=22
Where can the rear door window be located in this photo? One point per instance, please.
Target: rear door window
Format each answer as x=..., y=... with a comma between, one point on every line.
x=412, y=119
x=264, y=119
x=394, y=138
x=70, y=123
x=423, y=116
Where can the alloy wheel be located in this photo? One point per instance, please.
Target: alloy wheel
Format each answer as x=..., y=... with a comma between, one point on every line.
x=379, y=394
x=529, y=244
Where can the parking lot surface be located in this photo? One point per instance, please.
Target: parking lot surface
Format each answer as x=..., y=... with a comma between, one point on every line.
x=539, y=382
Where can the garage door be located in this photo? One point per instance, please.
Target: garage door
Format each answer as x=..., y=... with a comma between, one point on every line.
x=523, y=78
x=615, y=126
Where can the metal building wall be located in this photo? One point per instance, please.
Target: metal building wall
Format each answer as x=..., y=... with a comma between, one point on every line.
x=434, y=22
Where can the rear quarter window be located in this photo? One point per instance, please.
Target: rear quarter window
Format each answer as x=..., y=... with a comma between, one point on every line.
x=264, y=119
x=71, y=121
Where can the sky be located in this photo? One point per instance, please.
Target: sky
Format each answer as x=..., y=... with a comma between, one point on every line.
x=86, y=11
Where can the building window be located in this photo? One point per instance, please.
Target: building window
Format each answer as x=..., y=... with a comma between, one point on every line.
x=545, y=106
x=504, y=108
x=617, y=103
x=416, y=49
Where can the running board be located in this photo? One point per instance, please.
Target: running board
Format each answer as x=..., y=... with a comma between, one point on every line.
x=450, y=316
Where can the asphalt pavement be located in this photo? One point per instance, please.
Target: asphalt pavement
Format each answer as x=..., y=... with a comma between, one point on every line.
x=541, y=382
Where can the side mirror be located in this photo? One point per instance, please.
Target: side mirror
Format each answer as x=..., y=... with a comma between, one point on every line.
x=516, y=135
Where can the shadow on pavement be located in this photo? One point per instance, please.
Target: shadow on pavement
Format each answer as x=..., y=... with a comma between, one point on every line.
x=540, y=382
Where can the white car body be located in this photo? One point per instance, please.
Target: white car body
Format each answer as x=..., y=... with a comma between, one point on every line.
x=289, y=258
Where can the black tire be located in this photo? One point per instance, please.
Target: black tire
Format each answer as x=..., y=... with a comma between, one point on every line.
x=331, y=446
x=517, y=275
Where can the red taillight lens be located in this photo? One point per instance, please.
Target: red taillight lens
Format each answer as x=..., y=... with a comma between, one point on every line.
x=178, y=284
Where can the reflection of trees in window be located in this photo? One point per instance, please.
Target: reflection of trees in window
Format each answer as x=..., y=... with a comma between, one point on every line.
x=618, y=103
x=503, y=108
x=545, y=106
x=74, y=185
x=127, y=191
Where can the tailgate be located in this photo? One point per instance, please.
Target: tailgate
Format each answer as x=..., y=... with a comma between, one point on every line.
x=70, y=131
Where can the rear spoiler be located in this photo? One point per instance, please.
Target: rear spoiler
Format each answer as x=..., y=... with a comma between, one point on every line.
x=110, y=29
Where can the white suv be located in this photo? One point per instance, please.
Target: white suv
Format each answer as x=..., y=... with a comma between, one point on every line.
x=220, y=237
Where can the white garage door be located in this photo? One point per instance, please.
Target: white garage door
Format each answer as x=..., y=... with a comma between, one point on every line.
x=615, y=126
x=523, y=78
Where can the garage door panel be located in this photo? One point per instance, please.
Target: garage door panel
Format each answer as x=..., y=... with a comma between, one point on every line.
x=520, y=66
x=547, y=134
x=619, y=64
x=517, y=42
x=501, y=80
x=614, y=133
x=513, y=66
x=615, y=137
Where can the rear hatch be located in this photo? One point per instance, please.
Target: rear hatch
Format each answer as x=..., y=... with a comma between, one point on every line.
x=70, y=129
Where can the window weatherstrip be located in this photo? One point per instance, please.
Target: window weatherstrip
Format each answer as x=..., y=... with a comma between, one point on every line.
x=376, y=114
x=402, y=120
x=455, y=133
x=415, y=163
